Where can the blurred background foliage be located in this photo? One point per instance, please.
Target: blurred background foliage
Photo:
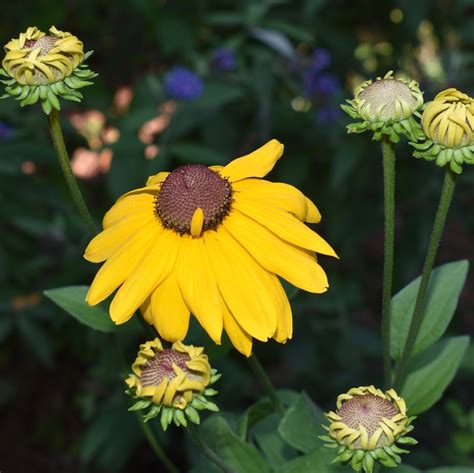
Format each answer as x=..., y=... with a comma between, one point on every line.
x=204, y=81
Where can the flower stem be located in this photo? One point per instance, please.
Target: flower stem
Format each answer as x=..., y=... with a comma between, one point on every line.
x=266, y=383
x=438, y=226
x=388, y=153
x=58, y=141
x=155, y=446
x=206, y=450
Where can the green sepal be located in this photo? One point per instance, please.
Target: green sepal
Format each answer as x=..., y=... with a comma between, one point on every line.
x=152, y=413
x=141, y=404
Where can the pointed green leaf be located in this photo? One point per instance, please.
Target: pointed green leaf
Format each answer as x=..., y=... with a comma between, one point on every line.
x=445, y=286
x=73, y=300
x=431, y=372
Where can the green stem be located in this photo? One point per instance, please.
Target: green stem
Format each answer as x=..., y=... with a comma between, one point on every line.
x=266, y=383
x=388, y=153
x=58, y=141
x=438, y=226
x=155, y=446
x=206, y=450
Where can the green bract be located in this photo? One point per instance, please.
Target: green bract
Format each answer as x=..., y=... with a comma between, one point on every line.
x=386, y=107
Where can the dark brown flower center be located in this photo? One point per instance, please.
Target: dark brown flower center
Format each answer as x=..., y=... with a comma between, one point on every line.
x=366, y=410
x=46, y=43
x=161, y=366
x=188, y=188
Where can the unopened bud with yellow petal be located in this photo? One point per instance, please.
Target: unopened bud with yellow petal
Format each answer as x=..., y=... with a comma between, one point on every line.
x=448, y=125
x=386, y=106
x=366, y=427
x=173, y=382
x=44, y=67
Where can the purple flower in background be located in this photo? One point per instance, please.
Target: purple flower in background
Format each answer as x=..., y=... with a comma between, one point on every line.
x=321, y=58
x=328, y=114
x=326, y=84
x=6, y=132
x=316, y=83
x=182, y=83
x=223, y=60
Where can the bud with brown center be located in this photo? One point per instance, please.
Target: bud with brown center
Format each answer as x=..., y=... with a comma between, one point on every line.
x=448, y=124
x=192, y=199
x=366, y=426
x=41, y=66
x=174, y=381
x=386, y=107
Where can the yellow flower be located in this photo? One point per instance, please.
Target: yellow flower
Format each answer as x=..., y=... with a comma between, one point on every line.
x=386, y=106
x=39, y=58
x=448, y=123
x=213, y=242
x=173, y=381
x=449, y=119
x=366, y=425
x=45, y=66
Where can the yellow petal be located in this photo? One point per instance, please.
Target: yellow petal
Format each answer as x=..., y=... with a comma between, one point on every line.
x=256, y=164
x=295, y=265
x=157, y=179
x=103, y=245
x=312, y=213
x=284, y=329
x=145, y=309
x=284, y=225
x=122, y=263
x=152, y=270
x=170, y=313
x=197, y=222
x=283, y=196
x=241, y=285
x=241, y=340
x=198, y=286
x=141, y=204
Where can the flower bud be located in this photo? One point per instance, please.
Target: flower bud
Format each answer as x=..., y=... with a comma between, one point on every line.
x=448, y=125
x=366, y=426
x=386, y=107
x=45, y=66
x=172, y=381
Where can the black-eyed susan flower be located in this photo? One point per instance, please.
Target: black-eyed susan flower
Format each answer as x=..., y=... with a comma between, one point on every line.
x=45, y=67
x=448, y=124
x=173, y=382
x=366, y=427
x=212, y=242
x=386, y=106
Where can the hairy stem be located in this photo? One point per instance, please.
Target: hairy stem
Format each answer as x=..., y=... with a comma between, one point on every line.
x=60, y=147
x=388, y=153
x=213, y=457
x=438, y=226
x=266, y=383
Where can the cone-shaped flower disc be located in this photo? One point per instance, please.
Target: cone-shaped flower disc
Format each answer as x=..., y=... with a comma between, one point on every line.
x=366, y=426
x=43, y=67
x=174, y=381
x=386, y=107
x=448, y=123
x=211, y=242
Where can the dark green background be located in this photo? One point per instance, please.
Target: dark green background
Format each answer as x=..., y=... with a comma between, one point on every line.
x=62, y=407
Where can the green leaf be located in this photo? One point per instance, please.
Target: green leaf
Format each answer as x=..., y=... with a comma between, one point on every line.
x=318, y=461
x=270, y=442
x=407, y=469
x=443, y=292
x=431, y=372
x=301, y=424
x=241, y=456
x=73, y=300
